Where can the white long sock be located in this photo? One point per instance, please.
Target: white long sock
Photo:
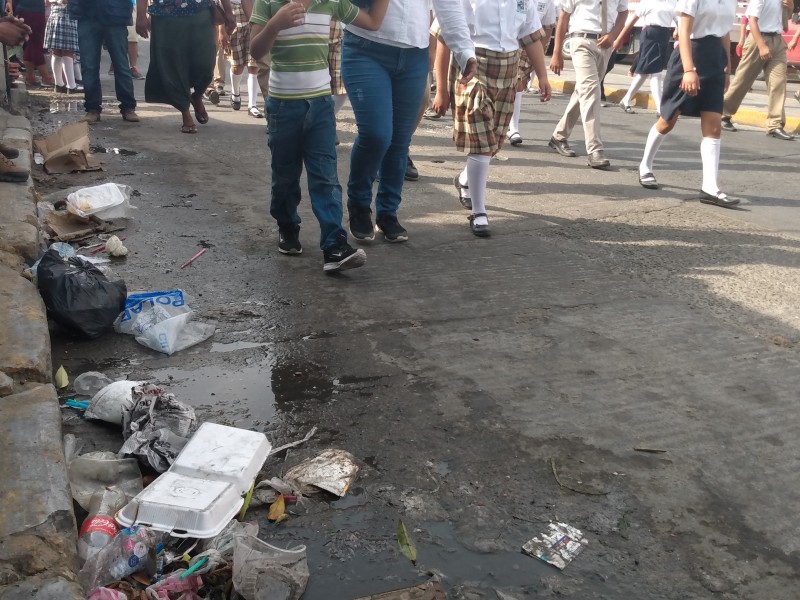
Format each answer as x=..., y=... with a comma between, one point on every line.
x=76, y=70
x=709, y=153
x=513, y=127
x=477, y=176
x=656, y=89
x=252, y=90
x=338, y=102
x=654, y=140
x=463, y=179
x=236, y=82
x=636, y=83
x=58, y=69
x=69, y=70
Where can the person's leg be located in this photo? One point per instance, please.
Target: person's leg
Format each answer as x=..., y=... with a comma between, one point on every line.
x=238, y=57
x=654, y=140
x=711, y=127
x=319, y=157
x=90, y=42
x=657, y=89
x=57, y=65
x=408, y=91
x=68, y=66
x=365, y=70
x=747, y=71
x=636, y=83
x=592, y=61
x=775, y=75
x=286, y=149
x=568, y=120
x=477, y=175
x=116, y=40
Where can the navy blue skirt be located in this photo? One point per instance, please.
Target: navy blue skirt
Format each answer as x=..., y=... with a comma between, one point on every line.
x=654, y=51
x=710, y=59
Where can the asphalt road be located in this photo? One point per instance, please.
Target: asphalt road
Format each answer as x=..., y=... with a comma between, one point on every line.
x=490, y=386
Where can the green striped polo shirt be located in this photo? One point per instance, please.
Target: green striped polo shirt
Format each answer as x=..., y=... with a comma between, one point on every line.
x=300, y=54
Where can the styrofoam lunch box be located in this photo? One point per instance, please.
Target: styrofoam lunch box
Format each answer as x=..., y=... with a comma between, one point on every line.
x=183, y=506
x=222, y=453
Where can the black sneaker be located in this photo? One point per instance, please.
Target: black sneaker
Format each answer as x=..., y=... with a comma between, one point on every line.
x=391, y=229
x=289, y=241
x=361, y=224
x=343, y=256
x=411, y=171
x=728, y=125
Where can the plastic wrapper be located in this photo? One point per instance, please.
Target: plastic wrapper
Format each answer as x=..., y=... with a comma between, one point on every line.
x=97, y=470
x=78, y=296
x=131, y=551
x=107, y=201
x=162, y=321
x=156, y=427
x=175, y=588
x=263, y=572
x=110, y=403
x=89, y=383
x=104, y=593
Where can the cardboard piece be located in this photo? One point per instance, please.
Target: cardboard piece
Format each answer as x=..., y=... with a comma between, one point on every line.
x=67, y=150
x=68, y=228
x=427, y=591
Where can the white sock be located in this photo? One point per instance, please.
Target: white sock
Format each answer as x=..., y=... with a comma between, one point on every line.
x=338, y=102
x=654, y=140
x=637, y=82
x=58, y=69
x=656, y=89
x=76, y=70
x=462, y=178
x=69, y=70
x=513, y=127
x=709, y=152
x=252, y=90
x=236, y=82
x=477, y=176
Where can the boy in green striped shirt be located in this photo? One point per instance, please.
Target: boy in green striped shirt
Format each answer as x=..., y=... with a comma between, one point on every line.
x=302, y=126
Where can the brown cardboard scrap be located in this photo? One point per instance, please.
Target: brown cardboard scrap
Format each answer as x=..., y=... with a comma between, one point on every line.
x=67, y=150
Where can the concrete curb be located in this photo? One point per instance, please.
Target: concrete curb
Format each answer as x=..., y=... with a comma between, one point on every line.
x=745, y=116
x=38, y=552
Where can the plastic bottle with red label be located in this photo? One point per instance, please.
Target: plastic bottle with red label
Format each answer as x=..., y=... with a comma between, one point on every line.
x=99, y=528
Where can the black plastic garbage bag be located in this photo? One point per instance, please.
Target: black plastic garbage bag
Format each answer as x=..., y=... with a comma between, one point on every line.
x=78, y=296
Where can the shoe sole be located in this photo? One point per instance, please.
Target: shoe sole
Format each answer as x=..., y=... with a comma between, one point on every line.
x=14, y=178
x=604, y=165
x=355, y=260
x=411, y=177
x=362, y=237
x=391, y=240
x=292, y=252
x=555, y=147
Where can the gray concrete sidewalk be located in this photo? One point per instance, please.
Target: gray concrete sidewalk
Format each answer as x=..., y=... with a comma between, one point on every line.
x=37, y=526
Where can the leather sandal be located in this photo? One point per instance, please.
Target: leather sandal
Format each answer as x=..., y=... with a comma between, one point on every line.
x=719, y=199
x=479, y=230
x=463, y=193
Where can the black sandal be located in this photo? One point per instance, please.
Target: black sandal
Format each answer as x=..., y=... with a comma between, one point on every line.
x=466, y=201
x=648, y=180
x=479, y=230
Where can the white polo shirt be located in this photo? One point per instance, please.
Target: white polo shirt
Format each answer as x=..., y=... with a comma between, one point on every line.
x=769, y=14
x=548, y=11
x=657, y=12
x=407, y=22
x=585, y=15
x=711, y=17
x=498, y=25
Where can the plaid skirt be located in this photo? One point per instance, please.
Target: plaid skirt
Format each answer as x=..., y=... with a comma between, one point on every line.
x=482, y=108
x=239, y=49
x=335, y=58
x=61, y=32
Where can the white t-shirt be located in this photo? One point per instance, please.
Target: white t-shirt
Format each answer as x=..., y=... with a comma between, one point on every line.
x=711, y=17
x=548, y=12
x=657, y=12
x=498, y=25
x=585, y=15
x=769, y=14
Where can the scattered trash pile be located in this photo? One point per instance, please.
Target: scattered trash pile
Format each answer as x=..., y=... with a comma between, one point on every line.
x=79, y=289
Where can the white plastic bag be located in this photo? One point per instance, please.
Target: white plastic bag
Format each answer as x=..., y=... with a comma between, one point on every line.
x=264, y=572
x=162, y=321
x=110, y=403
x=106, y=201
x=97, y=470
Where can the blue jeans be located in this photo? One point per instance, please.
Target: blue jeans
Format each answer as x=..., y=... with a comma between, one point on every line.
x=385, y=85
x=91, y=36
x=304, y=132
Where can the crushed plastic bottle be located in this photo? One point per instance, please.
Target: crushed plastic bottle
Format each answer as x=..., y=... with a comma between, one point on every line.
x=88, y=384
x=99, y=528
x=131, y=551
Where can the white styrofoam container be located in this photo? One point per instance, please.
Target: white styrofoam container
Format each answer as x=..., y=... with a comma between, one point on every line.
x=223, y=453
x=183, y=506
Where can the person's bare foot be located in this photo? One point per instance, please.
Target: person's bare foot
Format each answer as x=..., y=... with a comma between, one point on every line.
x=200, y=112
x=188, y=123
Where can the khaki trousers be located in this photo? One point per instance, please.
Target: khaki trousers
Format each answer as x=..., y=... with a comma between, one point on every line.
x=589, y=62
x=221, y=67
x=774, y=74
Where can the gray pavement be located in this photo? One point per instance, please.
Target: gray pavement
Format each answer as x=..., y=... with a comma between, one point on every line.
x=489, y=386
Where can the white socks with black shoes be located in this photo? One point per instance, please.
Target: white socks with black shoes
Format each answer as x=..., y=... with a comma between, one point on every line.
x=69, y=71
x=709, y=153
x=57, y=64
x=252, y=90
x=656, y=89
x=636, y=83
x=477, y=171
x=236, y=83
x=654, y=141
x=513, y=126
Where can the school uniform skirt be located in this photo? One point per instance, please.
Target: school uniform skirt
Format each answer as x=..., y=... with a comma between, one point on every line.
x=710, y=59
x=654, y=51
x=61, y=32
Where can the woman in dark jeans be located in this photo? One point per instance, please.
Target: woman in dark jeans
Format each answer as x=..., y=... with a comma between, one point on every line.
x=385, y=73
x=33, y=13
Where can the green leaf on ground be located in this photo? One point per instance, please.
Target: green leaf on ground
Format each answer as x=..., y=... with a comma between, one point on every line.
x=406, y=545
